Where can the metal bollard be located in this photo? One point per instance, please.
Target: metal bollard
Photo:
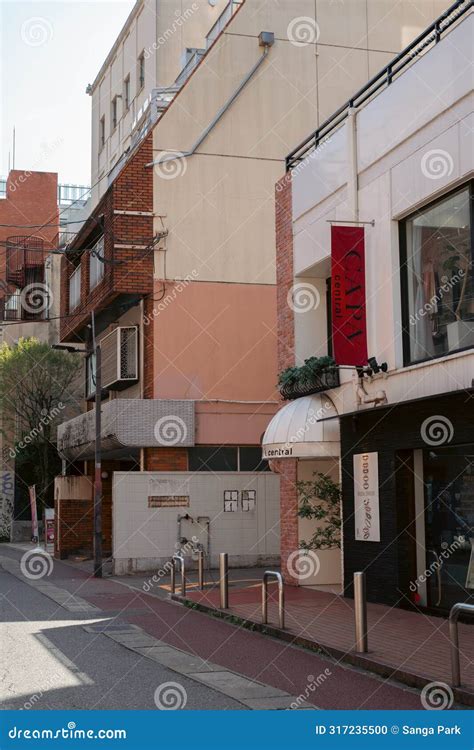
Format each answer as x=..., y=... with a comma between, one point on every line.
x=201, y=569
x=173, y=576
x=224, y=579
x=360, y=612
x=183, y=573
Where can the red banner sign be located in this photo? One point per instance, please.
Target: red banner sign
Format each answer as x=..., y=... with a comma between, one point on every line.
x=349, y=323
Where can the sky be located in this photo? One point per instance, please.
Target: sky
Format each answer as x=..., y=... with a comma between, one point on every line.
x=49, y=52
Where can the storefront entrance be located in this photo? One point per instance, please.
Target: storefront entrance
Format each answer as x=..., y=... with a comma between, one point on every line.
x=449, y=524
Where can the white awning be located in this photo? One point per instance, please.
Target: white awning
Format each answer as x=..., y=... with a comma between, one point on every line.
x=300, y=430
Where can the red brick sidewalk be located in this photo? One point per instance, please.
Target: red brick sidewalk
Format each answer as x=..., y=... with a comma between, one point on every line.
x=408, y=646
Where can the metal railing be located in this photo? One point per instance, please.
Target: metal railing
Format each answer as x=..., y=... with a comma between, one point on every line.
x=456, y=610
x=386, y=76
x=222, y=21
x=281, y=597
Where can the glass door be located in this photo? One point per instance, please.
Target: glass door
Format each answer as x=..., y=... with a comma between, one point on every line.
x=449, y=519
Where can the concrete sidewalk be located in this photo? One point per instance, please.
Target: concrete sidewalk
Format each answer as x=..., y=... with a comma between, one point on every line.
x=411, y=647
x=260, y=662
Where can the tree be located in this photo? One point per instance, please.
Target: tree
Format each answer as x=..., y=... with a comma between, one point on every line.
x=320, y=500
x=35, y=389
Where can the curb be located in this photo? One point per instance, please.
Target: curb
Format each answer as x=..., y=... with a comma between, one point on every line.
x=465, y=697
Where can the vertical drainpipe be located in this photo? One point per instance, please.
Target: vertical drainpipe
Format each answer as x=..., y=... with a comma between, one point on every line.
x=142, y=369
x=352, y=176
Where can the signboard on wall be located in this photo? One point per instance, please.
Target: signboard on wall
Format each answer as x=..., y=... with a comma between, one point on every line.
x=349, y=321
x=366, y=497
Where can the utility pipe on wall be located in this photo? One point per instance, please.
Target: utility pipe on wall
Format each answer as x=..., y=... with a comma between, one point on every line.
x=266, y=40
x=352, y=177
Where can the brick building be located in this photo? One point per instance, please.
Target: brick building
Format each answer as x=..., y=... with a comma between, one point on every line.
x=177, y=260
x=374, y=268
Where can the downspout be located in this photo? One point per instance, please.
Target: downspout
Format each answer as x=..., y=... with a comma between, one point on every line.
x=352, y=177
x=266, y=40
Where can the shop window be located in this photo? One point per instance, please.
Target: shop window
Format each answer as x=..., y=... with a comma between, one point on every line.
x=213, y=459
x=251, y=459
x=227, y=459
x=437, y=278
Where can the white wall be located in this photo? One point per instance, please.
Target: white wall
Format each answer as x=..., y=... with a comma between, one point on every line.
x=145, y=538
x=427, y=109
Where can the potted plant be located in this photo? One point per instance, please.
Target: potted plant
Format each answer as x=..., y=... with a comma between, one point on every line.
x=315, y=375
x=320, y=501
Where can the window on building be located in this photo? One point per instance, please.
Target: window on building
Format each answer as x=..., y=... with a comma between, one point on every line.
x=114, y=113
x=126, y=93
x=141, y=71
x=437, y=278
x=245, y=458
x=96, y=263
x=102, y=132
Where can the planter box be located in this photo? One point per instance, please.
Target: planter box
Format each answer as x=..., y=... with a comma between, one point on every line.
x=317, y=384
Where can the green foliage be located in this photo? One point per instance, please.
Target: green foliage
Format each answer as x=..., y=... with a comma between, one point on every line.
x=313, y=368
x=35, y=389
x=320, y=500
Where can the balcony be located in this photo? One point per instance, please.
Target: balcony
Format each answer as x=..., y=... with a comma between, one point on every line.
x=127, y=425
x=24, y=260
x=32, y=304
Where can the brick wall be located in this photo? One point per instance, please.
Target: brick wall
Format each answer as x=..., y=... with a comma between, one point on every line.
x=286, y=358
x=166, y=459
x=127, y=271
x=31, y=198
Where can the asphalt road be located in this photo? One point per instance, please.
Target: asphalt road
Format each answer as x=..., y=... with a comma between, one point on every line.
x=47, y=661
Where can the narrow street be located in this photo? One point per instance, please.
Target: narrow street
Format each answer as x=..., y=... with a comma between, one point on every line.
x=50, y=661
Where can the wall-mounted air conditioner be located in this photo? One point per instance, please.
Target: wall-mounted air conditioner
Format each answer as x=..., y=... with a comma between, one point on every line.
x=119, y=350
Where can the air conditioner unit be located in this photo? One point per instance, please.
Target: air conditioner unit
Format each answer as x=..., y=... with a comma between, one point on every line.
x=119, y=358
